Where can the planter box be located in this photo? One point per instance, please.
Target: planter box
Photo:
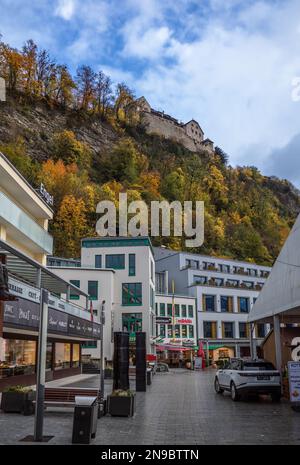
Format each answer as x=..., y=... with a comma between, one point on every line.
x=17, y=402
x=121, y=406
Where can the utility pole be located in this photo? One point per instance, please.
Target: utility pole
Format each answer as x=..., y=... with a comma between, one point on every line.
x=41, y=367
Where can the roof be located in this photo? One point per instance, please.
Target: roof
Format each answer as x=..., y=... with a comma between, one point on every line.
x=194, y=121
x=26, y=269
x=281, y=291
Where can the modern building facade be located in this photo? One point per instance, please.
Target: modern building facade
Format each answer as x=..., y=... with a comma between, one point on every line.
x=225, y=291
x=176, y=324
x=24, y=245
x=121, y=272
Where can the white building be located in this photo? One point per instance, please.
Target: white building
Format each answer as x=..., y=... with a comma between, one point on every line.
x=225, y=291
x=176, y=324
x=121, y=272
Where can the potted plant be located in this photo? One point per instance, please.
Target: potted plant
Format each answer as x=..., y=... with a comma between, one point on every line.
x=121, y=403
x=18, y=399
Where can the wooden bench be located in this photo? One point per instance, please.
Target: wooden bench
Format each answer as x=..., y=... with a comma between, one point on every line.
x=65, y=397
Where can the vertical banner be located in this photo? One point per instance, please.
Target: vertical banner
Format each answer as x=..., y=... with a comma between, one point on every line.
x=173, y=309
x=294, y=381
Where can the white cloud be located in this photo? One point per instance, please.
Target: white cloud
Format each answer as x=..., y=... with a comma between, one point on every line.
x=65, y=9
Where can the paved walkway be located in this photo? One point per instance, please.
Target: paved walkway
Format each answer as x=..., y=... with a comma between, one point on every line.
x=179, y=408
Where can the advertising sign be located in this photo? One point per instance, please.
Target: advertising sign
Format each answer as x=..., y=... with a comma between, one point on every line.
x=163, y=320
x=294, y=381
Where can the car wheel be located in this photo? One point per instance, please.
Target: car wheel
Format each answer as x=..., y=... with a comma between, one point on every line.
x=276, y=397
x=234, y=394
x=218, y=388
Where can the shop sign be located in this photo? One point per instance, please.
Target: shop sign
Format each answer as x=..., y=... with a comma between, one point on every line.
x=294, y=381
x=188, y=342
x=23, y=290
x=163, y=320
x=185, y=321
x=296, y=351
x=22, y=313
x=57, y=321
x=80, y=327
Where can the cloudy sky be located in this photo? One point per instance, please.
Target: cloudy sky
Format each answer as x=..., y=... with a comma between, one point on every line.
x=231, y=64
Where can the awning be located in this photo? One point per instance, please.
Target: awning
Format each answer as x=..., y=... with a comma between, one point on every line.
x=26, y=269
x=173, y=348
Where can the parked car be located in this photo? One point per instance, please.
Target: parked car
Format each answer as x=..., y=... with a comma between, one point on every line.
x=246, y=377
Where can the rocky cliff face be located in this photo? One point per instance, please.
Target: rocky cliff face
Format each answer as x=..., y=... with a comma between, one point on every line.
x=36, y=123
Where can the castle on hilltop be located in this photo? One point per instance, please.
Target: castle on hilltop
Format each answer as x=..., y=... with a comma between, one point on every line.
x=190, y=134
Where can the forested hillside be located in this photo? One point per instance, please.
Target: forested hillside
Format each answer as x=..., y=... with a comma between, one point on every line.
x=82, y=138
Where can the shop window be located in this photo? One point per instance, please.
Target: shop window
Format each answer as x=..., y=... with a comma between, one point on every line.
x=62, y=355
x=115, y=261
x=162, y=309
x=177, y=331
x=76, y=283
x=183, y=311
x=170, y=331
x=17, y=357
x=184, y=331
x=76, y=355
x=131, y=264
x=191, y=311
x=49, y=356
x=98, y=261
x=191, y=331
x=131, y=294
x=93, y=290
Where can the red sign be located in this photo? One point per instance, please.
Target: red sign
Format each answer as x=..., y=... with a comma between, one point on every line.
x=151, y=358
x=185, y=321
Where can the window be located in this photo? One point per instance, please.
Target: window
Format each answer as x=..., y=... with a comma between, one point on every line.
x=152, y=271
x=98, y=261
x=132, y=322
x=191, y=331
x=162, y=332
x=200, y=279
x=169, y=309
x=226, y=304
x=156, y=308
x=260, y=330
x=183, y=311
x=243, y=303
x=177, y=310
x=152, y=298
x=170, y=331
x=132, y=264
x=62, y=355
x=132, y=294
x=93, y=290
x=76, y=283
x=210, y=329
x=115, y=261
x=209, y=303
x=177, y=331
x=184, y=331
x=243, y=330
x=228, y=329
x=162, y=309
x=191, y=311
x=224, y=268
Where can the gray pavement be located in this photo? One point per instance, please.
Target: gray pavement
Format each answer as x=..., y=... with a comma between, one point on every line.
x=179, y=408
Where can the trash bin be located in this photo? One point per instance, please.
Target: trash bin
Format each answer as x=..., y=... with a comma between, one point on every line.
x=149, y=376
x=85, y=420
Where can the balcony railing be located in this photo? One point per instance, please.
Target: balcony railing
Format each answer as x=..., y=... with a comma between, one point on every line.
x=261, y=274
x=18, y=219
x=210, y=283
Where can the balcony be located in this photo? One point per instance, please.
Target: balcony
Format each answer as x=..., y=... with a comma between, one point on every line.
x=24, y=228
x=212, y=283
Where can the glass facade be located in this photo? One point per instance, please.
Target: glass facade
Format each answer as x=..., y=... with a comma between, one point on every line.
x=75, y=355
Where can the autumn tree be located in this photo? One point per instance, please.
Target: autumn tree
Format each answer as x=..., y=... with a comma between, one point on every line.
x=103, y=94
x=70, y=226
x=123, y=100
x=85, y=82
x=67, y=148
